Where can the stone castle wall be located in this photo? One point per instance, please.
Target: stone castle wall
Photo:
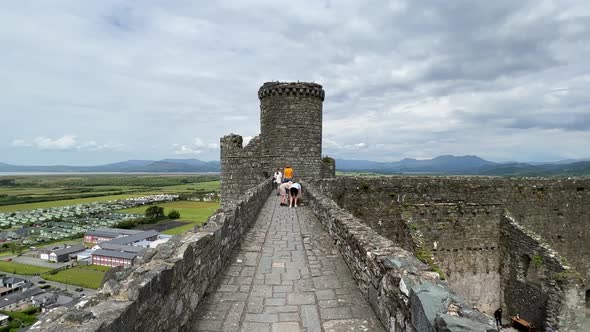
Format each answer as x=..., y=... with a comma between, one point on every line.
x=162, y=292
x=464, y=242
x=462, y=215
x=403, y=292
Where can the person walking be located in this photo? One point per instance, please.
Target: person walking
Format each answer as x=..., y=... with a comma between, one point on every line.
x=498, y=317
x=294, y=190
x=288, y=174
x=278, y=179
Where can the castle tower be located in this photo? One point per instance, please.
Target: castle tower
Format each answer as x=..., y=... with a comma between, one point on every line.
x=291, y=127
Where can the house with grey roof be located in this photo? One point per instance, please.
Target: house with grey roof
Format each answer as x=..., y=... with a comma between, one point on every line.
x=104, y=234
x=150, y=235
x=13, y=282
x=19, y=300
x=63, y=255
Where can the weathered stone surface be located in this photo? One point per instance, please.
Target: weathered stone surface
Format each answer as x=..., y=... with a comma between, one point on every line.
x=77, y=316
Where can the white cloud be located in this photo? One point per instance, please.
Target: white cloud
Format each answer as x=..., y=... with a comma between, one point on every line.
x=185, y=150
x=65, y=142
x=199, y=143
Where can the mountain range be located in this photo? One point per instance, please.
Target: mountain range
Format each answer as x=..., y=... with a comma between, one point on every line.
x=156, y=166
x=468, y=165
x=457, y=165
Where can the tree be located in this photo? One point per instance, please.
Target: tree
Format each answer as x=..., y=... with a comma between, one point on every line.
x=173, y=214
x=154, y=212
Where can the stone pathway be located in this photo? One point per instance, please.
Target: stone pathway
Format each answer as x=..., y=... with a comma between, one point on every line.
x=287, y=276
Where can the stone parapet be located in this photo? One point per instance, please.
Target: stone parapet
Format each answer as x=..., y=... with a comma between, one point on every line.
x=240, y=167
x=328, y=168
x=162, y=292
x=291, y=88
x=403, y=292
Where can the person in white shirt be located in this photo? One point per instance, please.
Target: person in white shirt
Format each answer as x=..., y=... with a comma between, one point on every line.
x=295, y=191
x=278, y=179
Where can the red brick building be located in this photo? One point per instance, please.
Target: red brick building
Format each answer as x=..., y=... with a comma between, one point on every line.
x=113, y=258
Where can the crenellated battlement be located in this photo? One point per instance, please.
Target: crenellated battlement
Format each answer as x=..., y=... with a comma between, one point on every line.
x=269, y=89
x=232, y=142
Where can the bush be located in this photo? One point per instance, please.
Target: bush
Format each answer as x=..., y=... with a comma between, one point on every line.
x=154, y=212
x=173, y=214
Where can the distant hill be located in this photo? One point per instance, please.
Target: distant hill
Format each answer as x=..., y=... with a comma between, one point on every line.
x=166, y=165
x=441, y=164
x=467, y=165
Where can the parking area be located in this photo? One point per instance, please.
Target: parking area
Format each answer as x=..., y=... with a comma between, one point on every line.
x=37, y=262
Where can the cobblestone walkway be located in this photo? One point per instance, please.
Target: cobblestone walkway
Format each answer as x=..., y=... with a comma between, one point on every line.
x=288, y=276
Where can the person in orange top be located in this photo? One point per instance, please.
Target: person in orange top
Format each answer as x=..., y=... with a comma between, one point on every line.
x=287, y=174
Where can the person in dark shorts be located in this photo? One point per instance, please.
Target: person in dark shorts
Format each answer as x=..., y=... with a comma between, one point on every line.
x=295, y=190
x=498, y=317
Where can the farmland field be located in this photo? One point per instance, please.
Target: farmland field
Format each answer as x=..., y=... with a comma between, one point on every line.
x=32, y=192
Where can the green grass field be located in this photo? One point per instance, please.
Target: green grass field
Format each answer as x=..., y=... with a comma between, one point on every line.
x=195, y=212
x=183, y=188
x=84, y=276
x=17, y=268
x=31, y=192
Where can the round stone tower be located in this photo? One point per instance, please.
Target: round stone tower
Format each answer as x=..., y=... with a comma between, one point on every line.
x=291, y=127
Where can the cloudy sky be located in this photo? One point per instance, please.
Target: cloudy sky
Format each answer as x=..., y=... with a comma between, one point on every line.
x=89, y=82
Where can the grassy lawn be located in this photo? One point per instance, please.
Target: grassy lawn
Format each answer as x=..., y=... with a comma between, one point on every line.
x=17, y=268
x=195, y=212
x=84, y=276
